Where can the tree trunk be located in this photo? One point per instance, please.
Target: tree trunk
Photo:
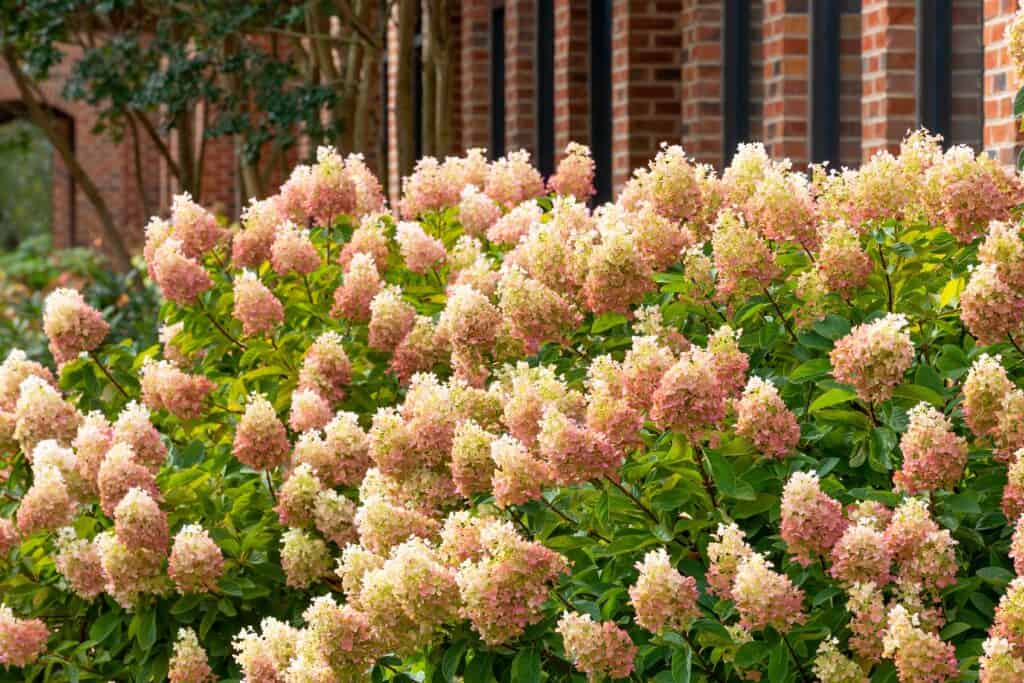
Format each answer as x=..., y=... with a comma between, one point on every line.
x=116, y=248
x=404, y=118
x=442, y=104
x=428, y=76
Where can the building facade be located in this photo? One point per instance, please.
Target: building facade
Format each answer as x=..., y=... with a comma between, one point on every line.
x=815, y=80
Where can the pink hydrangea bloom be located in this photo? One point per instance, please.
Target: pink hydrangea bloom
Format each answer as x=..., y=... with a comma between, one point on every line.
x=79, y=563
x=298, y=496
x=22, y=641
x=8, y=536
x=140, y=523
x=293, y=251
x=535, y=313
x=181, y=279
x=305, y=559
x=471, y=465
x=322, y=192
x=662, y=597
x=725, y=552
x=339, y=643
x=1017, y=546
x=831, y=665
x=643, y=367
x=618, y=275
x=47, y=505
x=610, y=412
x=924, y=553
x=419, y=351
x=842, y=261
x=41, y=413
x=360, y=284
x=368, y=238
x=369, y=195
x=334, y=517
x=118, y=474
x=188, y=662
x=990, y=308
x=999, y=664
x=266, y=656
x=255, y=307
x=598, y=649
x=919, y=656
x=511, y=180
x=866, y=604
x=71, y=325
x=812, y=522
x=516, y=224
x=574, y=453
x=477, y=211
x=873, y=357
x=1003, y=250
x=429, y=188
x=196, y=227
x=670, y=183
x=781, y=207
x=166, y=387
x=690, y=398
x=250, y=247
x=1013, y=491
x=965, y=192
x=134, y=428
x=130, y=572
x=391, y=318
x=383, y=523
x=326, y=368
x=933, y=455
x=420, y=251
x=763, y=418
x=309, y=411
x=743, y=260
x=261, y=441
x=765, y=597
x=985, y=389
x=196, y=561
x=518, y=475
x=861, y=555
x=15, y=369
x=349, y=445
x=575, y=173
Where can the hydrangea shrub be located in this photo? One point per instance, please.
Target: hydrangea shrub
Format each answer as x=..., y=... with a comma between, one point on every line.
x=756, y=425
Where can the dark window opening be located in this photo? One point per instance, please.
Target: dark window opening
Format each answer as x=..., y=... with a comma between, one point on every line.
x=601, y=96
x=934, y=66
x=497, y=82
x=736, y=76
x=824, y=90
x=546, y=86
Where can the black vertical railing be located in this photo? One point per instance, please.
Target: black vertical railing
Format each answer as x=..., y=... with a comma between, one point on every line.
x=601, y=96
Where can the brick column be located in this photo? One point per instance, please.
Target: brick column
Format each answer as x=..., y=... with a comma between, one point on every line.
x=520, y=77
x=473, y=95
x=786, y=79
x=702, y=59
x=572, y=71
x=1002, y=135
x=968, y=71
x=646, y=47
x=889, y=54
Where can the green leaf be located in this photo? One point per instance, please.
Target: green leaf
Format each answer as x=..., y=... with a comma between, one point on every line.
x=1018, y=104
x=145, y=628
x=682, y=665
x=452, y=658
x=951, y=291
x=832, y=397
x=778, y=664
x=751, y=654
x=526, y=666
x=810, y=370
x=104, y=626
x=478, y=670
x=607, y=321
x=916, y=392
x=996, y=575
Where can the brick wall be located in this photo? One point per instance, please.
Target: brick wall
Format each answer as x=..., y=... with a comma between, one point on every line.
x=889, y=57
x=702, y=59
x=1002, y=135
x=968, y=70
x=520, y=76
x=646, y=84
x=786, y=29
x=473, y=95
x=850, y=88
x=572, y=73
